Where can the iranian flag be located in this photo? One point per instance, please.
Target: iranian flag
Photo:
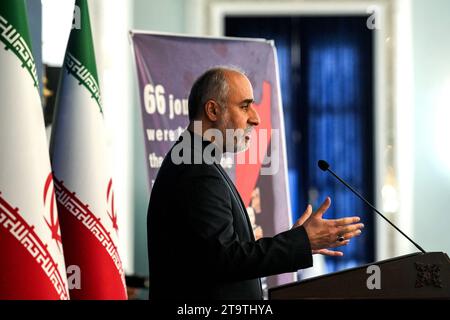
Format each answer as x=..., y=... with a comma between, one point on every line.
x=83, y=183
x=31, y=255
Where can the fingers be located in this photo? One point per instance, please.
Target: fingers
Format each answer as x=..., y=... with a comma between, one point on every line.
x=352, y=231
x=347, y=236
x=345, y=221
x=329, y=253
x=350, y=228
x=350, y=235
x=304, y=216
x=339, y=243
x=323, y=208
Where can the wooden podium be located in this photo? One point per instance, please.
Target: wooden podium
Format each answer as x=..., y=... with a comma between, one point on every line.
x=413, y=276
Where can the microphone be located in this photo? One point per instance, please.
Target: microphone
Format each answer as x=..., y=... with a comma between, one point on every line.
x=324, y=166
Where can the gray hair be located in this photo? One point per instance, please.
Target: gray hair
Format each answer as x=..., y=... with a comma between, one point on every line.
x=212, y=84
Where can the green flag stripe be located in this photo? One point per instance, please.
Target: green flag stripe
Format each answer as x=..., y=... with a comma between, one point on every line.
x=82, y=74
x=14, y=11
x=15, y=36
x=80, y=54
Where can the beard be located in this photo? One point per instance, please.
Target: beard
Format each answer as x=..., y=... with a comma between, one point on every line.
x=237, y=140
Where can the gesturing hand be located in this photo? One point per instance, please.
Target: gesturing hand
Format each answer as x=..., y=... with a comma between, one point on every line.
x=324, y=234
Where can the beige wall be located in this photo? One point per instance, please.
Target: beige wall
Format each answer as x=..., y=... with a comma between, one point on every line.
x=431, y=59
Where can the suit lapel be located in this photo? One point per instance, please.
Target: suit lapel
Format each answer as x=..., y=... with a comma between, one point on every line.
x=237, y=197
x=198, y=149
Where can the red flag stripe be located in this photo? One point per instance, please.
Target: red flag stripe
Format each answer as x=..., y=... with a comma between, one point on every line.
x=13, y=222
x=72, y=204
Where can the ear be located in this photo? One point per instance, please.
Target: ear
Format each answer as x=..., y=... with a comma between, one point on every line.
x=212, y=110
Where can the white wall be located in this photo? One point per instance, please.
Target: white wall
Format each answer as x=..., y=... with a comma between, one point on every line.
x=399, y=177
x=431, y=59
x=110, y=33
x=150, y=15
x=158, y=15
x=421, y=100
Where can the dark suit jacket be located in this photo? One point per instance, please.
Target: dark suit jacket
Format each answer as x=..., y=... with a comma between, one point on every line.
x=200, y=242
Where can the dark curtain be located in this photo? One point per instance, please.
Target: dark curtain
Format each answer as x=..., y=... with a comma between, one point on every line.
x=326, y=73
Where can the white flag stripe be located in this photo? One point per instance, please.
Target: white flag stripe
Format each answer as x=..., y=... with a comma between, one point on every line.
x=24, y=158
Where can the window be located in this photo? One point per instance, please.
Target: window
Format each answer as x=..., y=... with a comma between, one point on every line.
x=326, y=74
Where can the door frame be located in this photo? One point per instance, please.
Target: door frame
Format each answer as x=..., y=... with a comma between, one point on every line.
x=212, y=15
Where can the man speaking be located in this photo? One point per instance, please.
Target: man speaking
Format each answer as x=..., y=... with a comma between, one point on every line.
x=200, y=241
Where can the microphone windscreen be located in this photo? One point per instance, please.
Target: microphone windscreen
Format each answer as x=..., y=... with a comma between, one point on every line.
x=323, y=165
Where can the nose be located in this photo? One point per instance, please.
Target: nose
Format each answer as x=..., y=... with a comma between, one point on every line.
x=254, y=118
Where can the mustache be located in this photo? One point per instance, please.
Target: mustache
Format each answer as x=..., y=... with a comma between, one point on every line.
x=248, y=130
